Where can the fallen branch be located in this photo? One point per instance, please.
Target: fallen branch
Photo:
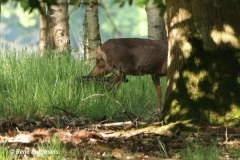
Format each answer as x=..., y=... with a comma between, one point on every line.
x=159, y=130
x=102, y=95
x=116, y=124
x=67, y=113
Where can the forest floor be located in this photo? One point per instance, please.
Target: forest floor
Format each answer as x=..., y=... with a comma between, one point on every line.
x=82, y=139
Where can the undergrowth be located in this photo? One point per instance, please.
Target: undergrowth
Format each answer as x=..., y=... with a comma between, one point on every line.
x=33, y=86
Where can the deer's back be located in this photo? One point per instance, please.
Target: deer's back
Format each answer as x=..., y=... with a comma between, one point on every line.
x=136, y=56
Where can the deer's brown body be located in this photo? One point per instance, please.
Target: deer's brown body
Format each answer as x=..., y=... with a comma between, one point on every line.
x=132, y=56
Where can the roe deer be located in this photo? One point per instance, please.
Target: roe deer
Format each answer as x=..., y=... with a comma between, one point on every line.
x=132, y=56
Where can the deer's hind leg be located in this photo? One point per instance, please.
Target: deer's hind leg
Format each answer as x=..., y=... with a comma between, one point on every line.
x=156, y=82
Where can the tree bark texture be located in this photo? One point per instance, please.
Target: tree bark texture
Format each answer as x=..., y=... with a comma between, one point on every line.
x=0, y=14
x=203, y=62
x=86, y=44
x=156, y=24
x=92, y=28
x=58, y=26
x=156, y=31
x=43, y=29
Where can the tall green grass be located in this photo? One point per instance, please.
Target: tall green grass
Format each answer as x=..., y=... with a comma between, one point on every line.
x=31, y=86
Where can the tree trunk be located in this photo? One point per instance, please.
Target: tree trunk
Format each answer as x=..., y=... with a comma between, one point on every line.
x=43, y=29
x=92, y=28
x=85, y=41
x=58, y=26
x=156, y=24
x=0, y=16
x=203, y=68
x=156, y=31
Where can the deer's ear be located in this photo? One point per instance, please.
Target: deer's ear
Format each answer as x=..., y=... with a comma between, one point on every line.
x=101, y=54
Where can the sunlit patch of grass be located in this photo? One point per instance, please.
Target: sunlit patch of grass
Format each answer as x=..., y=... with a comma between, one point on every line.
x=5, y=154
x=54, y=149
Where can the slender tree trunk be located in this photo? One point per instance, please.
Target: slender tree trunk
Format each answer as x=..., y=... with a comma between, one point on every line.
x=203, y=68
x=58, y=26
x=156, y=24
x=43, y=29
x=0, y=15
x=156, y=31
x=85, y=43
x=92, y=28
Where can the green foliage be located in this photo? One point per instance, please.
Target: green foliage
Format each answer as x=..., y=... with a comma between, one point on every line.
x=23, y=25
x=125, y=25
x=18, y=26
x=30, y=5
x=4, y=1
x=123, y=2
x=130, y=2
x=72, y=2
x=35, y=4
x=160, y=3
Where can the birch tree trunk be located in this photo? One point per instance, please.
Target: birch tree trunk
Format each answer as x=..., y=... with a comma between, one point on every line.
x=156, y=31
x=156, y=24
x=203, y=65
x=43, y=29
x=92, y=28
x=0, y=14
x=85, y=41
x=58, y=26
